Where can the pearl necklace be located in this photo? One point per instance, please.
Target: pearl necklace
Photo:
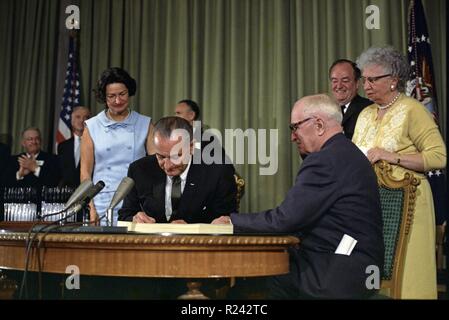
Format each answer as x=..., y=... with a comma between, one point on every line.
x=390, y=104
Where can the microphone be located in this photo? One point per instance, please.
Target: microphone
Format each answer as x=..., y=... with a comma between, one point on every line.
x=89, y=195
x=123, y=189
x=79, y=193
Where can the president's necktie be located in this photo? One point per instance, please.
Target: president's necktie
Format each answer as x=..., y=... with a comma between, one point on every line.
x=175, y=194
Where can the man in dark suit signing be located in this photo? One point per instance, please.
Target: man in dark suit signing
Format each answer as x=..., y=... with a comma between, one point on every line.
x=69, y=150
x=333, y=207
x=33, y=168
x=344, y=76
x=171, y=187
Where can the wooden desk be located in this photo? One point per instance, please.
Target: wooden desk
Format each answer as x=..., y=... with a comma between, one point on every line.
x=140, y=255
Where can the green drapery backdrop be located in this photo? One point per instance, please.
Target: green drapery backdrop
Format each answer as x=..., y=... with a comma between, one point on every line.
x=244, y=61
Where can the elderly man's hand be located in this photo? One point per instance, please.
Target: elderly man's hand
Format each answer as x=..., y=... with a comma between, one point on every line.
x=23, y=172
x=28, y=164
x=222, y=220
x=141, y=217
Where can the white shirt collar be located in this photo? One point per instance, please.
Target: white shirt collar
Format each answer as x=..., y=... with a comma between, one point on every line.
x=34, y=157
x=168, y=186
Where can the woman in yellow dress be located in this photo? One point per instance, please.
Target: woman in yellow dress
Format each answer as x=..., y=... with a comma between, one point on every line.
x=401, y=131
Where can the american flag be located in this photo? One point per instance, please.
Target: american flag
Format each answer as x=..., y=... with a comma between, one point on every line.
x=71, y=95
x=421, y=86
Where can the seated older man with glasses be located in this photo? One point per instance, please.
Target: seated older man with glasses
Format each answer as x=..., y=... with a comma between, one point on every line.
x=333, y=207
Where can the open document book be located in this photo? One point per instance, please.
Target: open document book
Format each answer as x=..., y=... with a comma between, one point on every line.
x=192, y=228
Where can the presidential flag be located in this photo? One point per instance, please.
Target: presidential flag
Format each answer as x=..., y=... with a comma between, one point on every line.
x=421, y=86
x=71, y=95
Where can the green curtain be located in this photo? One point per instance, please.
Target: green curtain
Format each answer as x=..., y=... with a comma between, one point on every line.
x=245, y=61
x=28, y=34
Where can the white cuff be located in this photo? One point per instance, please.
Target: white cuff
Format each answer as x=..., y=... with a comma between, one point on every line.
x=38, y=171
x=18, y=177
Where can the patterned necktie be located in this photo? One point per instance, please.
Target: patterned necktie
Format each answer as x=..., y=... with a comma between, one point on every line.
x=175, y=194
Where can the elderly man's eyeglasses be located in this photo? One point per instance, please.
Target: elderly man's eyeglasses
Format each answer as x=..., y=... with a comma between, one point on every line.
x=122, y=95
x=371, y=80
x=295, y=126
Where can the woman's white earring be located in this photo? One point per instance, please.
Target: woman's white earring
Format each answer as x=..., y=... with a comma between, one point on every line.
x=392, y=87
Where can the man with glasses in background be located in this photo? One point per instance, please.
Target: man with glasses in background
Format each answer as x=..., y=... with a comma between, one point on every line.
x=33, y=168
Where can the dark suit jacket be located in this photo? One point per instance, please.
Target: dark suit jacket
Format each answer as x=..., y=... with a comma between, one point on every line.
x=49, y=174
x=335, y=193
x=352, y=113
x=69, y=171
x=210, y=192
x=208, y=147
x=5, y=155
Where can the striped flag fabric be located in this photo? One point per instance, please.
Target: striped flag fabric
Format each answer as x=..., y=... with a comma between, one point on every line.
x=71, y=95
x=421, y=86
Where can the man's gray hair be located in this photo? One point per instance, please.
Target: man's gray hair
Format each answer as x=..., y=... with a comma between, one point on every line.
x=32, y=128
x=324, y=105
x=165, y=126
x=391, y=60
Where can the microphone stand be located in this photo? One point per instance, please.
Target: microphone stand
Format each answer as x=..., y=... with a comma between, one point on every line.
x=110, y=217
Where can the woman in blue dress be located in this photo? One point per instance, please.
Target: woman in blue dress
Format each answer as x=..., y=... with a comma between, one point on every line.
x=113, y=139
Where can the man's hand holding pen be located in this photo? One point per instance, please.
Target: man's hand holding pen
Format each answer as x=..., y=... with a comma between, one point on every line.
x=141, y=217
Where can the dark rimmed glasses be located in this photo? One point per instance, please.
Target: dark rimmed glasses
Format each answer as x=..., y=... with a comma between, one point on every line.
x=371, y=80
x=295, y=126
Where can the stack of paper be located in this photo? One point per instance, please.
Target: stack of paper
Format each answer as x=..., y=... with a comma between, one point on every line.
x=192, y=228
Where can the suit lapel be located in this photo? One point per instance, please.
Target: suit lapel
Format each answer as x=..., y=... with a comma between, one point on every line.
x=352, y=108
x=159, y=191
x=348, y=113
x=191, y=188
x=42, y=157
x=193, y=181
x=71, y=145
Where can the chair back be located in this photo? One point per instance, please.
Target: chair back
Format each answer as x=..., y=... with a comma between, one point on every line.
x=397, y=199
x=240, y=182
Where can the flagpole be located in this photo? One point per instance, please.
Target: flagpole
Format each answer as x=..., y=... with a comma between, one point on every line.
x=61, y=62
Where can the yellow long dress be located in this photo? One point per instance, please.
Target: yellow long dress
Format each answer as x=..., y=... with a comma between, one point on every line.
x=408, y=128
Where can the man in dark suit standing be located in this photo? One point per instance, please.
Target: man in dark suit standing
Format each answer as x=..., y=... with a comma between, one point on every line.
x=5, y=154
x=333, y=207
x=188, y=109
x=344, y=77
x=171, y=187
x=69, y=150
x=34, y=168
